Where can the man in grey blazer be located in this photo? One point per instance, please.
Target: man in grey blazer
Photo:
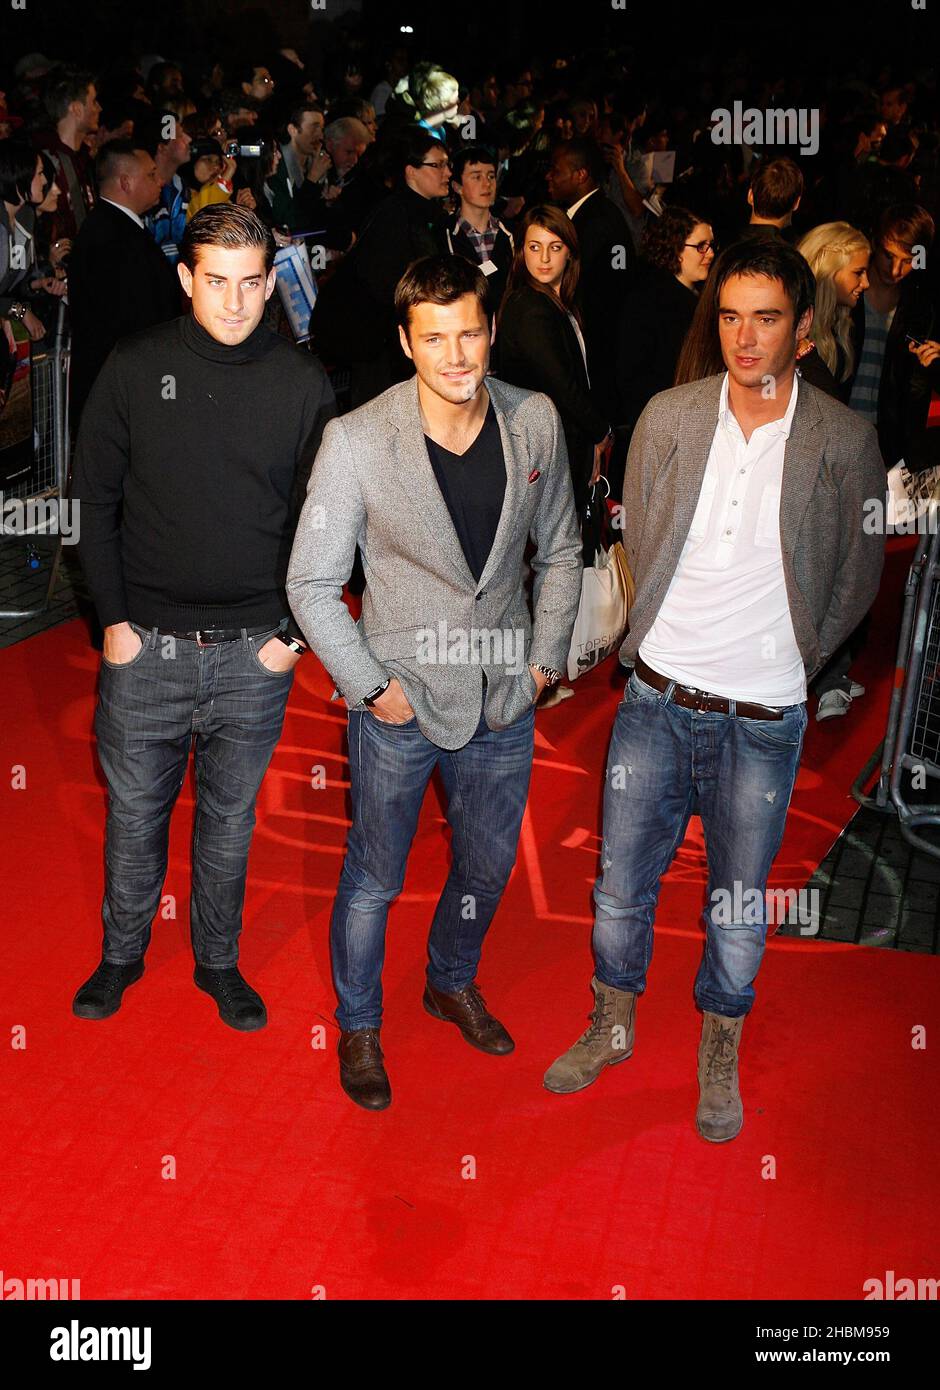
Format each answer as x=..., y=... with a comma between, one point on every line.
x=743, y=509
x=441, y=481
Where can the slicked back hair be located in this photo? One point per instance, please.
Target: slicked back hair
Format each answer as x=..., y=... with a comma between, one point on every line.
x=228, y=225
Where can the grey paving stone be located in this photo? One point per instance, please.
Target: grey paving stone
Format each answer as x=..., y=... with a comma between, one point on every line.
x=853, y=863
x=847, y=892
x=917, y=928
x=882, y=911
x=834, y=931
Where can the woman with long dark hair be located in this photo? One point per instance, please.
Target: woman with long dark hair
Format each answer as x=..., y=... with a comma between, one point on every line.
x=539, y=340
x=701, y=349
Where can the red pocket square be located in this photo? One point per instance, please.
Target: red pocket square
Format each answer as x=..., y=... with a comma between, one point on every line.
x=536, y=473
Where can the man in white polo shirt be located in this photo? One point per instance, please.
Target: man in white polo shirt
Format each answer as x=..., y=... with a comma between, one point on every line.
x=743, y=504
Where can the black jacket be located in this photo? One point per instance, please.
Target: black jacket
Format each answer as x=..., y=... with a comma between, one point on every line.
x=537, y=348
x=906, y=386
x=654, y=321
x=119, y=282
x=608, y=263
x=813, y=369
x=353, y=319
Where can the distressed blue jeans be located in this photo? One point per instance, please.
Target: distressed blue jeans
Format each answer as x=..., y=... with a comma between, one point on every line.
x=487, y=786
x=664, y=761
x=171, y=696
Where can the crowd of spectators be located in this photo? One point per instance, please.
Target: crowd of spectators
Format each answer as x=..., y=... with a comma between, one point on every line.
x=594, y=198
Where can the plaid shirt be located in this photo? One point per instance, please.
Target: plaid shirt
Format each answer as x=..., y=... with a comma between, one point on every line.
x=482, y=242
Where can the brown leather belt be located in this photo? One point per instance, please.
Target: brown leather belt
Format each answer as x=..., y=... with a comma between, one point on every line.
x=690, y=698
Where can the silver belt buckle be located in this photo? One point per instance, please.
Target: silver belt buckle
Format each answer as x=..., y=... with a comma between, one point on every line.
x=703, y=698
x=199, y=641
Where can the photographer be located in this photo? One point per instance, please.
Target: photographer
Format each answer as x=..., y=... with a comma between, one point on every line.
x=210, y=175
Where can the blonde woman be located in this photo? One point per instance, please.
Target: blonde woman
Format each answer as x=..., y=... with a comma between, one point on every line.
x=838, y=255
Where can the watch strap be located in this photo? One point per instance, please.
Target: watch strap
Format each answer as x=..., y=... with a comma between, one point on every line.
x=373, y=695
x=552, y=676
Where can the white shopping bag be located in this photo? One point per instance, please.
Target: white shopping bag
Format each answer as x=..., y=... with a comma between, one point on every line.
x=606, y=595
x=910, y=495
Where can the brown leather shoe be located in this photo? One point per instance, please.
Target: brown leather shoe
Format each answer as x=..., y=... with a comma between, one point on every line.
x=471, y=1016
x=362, y=1074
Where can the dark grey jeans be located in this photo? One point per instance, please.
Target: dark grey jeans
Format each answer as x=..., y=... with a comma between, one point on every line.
x=151, y=710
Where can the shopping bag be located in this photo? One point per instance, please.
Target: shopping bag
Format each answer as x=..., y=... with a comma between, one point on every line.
x=910, y=495
x=607, y=592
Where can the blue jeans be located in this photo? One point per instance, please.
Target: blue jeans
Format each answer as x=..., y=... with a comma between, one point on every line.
x=150, y=711
x=487, y=785
x=665, y=761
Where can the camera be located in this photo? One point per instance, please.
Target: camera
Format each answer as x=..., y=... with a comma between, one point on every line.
x=236, y=151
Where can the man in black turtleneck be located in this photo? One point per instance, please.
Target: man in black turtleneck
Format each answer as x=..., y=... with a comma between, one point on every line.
x=190, y=467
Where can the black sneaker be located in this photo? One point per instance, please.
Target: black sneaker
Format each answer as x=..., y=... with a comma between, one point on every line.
x=240, y=1006
x=101, y=995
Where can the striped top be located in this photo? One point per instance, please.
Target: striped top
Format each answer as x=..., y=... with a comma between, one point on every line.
x=864, y=397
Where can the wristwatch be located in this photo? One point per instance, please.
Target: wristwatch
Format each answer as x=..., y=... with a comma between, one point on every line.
x=18, y=312
x=552, y=677
x=373, y=695
x=291, y=642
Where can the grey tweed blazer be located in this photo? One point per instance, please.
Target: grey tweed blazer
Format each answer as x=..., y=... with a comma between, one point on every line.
x=833, y=490
x=425, y=619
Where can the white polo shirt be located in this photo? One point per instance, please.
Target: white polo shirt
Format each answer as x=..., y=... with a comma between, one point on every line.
x=724, y=625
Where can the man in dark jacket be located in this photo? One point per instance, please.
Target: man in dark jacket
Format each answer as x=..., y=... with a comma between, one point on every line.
x=119, y=279
x=608, y=258
x=354, y=321
x=891, y=385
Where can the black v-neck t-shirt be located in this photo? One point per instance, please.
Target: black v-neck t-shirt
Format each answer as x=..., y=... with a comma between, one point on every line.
x=473, y=486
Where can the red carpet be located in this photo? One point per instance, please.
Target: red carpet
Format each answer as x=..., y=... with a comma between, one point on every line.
x=476, y=1183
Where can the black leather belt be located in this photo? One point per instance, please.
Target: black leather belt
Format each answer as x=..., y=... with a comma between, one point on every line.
x=212, y=637
x=702, y=700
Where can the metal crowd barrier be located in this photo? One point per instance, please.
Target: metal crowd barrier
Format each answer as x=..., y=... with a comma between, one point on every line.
x=48, y=477
x=910, y=750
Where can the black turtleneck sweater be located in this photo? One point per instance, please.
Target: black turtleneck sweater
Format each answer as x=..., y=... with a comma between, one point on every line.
x=190, y=469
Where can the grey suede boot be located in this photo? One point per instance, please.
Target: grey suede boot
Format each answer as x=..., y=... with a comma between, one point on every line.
x=720, y=1114
x=607, y=1041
